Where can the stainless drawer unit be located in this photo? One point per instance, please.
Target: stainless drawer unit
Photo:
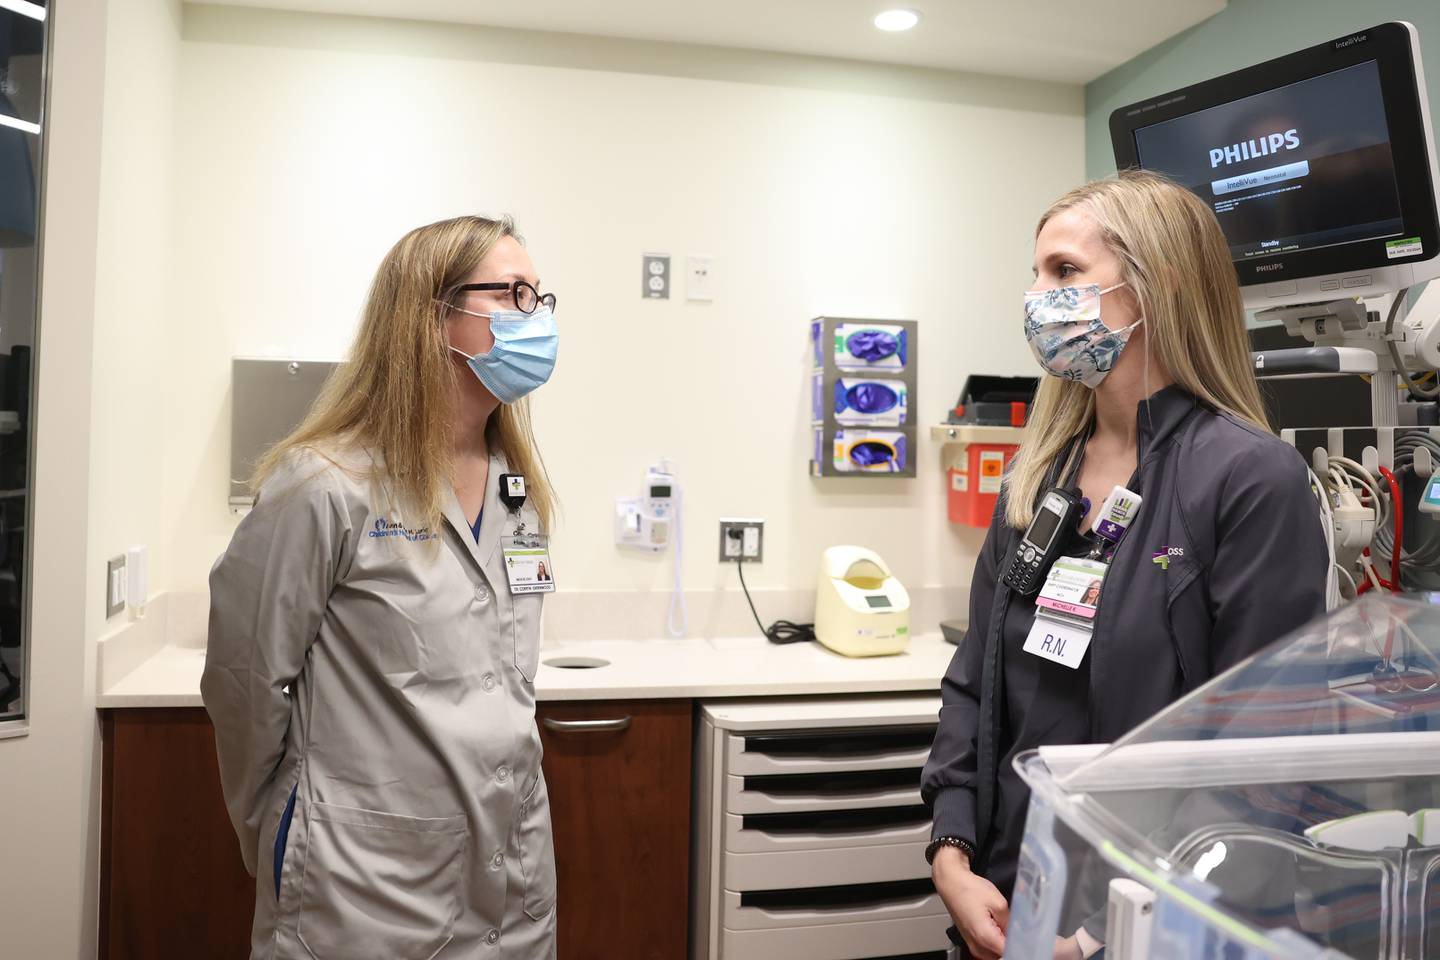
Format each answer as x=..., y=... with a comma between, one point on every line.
x=810, y=834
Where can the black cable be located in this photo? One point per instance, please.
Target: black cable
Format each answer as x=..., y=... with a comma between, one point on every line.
x=781, y=631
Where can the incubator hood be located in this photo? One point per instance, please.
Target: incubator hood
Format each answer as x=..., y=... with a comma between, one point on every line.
x=1288, y=808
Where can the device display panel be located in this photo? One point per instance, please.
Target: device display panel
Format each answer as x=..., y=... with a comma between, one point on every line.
x=1314, y=163
x=1042, y=531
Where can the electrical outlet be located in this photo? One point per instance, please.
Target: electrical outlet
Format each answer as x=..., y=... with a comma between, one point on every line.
x=115, y=583
x=655, y=276
x=742, y=540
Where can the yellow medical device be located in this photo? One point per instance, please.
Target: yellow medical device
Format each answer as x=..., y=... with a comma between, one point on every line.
x=861, y=610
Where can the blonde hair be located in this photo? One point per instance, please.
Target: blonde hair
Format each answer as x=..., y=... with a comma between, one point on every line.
x=396, y=395
x=1175, y=259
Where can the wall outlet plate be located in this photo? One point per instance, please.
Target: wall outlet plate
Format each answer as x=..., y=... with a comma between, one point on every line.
x=655, y=276
x=115, y=583
x=742, y=539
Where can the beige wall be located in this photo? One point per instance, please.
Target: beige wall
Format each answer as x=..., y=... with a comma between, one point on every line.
x=309, y=144
x=50, y=799
x=133, y=367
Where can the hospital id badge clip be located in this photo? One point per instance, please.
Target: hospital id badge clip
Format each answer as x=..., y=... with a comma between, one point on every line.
x=527, y=564
x=513, y=495
x=1065, y=611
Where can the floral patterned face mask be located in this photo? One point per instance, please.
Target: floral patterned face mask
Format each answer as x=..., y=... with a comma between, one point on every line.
x=1064, y=331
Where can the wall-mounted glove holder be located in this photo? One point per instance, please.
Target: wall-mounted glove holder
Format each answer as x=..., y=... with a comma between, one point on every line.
x=863, y=383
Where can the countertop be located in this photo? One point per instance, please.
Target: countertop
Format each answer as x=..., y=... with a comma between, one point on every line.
x=633, y=669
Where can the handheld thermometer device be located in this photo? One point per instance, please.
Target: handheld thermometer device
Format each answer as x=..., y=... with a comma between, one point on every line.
x=659, y=502
x=651, y=522
x=1041, y=543
x=648, y=522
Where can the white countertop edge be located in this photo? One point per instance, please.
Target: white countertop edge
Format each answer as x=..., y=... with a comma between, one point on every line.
x=788, y=688
x=170, y=677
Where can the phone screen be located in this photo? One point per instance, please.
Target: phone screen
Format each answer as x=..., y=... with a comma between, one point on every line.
x=1042, y=530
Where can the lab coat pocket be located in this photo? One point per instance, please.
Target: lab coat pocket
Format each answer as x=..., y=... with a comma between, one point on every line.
x=537, y=851
x=526, y=609
x=380, y=885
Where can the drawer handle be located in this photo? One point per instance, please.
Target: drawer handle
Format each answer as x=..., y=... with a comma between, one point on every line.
x=586, y=726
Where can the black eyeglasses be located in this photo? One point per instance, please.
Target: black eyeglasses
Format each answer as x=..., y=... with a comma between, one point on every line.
x=526, y=297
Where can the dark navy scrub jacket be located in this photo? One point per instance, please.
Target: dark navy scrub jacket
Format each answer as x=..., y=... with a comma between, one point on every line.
x=1229, y=508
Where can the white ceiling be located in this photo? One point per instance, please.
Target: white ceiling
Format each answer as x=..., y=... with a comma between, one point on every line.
x=1073, y=41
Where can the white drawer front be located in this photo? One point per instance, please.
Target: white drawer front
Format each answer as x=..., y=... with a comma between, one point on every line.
x=881, y=939
x=791, y=754
x=811, y=831
x=876, y=864
x=763, y=798
x=917, y=906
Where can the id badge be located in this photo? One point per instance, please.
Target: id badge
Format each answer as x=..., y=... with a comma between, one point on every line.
x=1072, y=587
x=1065, y=610
x=1060, y=641
x=527, y=564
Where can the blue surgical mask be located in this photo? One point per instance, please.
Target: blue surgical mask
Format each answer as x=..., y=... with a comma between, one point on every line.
x=1069, y=340
x=524, y=353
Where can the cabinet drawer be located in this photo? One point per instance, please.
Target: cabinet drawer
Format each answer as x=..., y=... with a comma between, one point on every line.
x=919, y=939
x=879, y=919
x=826, y=829
x=803, y=906
x=877, y=863
x=814, y=752
x=822, y=791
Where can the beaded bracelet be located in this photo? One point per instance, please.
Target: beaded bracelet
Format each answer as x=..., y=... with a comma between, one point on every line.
x=964, y=845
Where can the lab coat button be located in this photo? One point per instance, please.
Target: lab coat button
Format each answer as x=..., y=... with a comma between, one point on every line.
x=487, y=682
x=493, y=937
x=482, y=594
x=503, y=774
x=497, y=861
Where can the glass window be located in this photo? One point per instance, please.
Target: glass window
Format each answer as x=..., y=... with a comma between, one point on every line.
x=23, y=34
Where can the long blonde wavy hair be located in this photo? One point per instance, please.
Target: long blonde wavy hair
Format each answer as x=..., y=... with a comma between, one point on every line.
x=1174, y=257
x=396, y=396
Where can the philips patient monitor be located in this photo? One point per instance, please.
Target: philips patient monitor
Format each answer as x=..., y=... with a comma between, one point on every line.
x=1320, y=166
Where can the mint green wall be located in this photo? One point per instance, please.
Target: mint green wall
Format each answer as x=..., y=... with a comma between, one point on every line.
x=1244, y=33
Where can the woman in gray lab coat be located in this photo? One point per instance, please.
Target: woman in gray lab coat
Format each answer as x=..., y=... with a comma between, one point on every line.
x=369, y=672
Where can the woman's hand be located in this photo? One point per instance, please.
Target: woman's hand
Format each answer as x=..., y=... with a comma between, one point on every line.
x=979, y=911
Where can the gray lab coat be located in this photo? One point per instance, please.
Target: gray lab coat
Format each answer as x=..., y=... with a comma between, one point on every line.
x=384, y=675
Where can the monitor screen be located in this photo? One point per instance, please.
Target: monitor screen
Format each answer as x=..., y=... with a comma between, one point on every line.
x=1319, y=165
x=1299, y=167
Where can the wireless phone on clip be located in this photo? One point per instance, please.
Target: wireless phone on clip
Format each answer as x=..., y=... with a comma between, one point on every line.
x=1041, y=544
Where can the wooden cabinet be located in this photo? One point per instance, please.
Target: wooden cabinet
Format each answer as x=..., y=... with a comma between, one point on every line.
x=173, y=884
x=619, y=779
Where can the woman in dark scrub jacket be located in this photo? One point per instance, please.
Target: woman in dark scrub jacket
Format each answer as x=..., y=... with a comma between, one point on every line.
x=1136, y=314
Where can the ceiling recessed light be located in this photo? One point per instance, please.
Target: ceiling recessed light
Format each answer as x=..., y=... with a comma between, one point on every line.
x=896, y=20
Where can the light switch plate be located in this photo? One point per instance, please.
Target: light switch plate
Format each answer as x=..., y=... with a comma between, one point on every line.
x=655, y=277
x=700, y=284
x=114, y=586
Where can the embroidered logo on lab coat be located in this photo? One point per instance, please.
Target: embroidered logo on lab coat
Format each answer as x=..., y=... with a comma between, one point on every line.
x=394, y=528
x=1164, y=555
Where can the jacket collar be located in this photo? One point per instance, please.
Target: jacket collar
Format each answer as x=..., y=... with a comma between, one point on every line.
x=1160, y=416
x=492, y=522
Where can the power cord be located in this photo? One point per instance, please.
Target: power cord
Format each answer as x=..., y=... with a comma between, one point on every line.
x=781, y=631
